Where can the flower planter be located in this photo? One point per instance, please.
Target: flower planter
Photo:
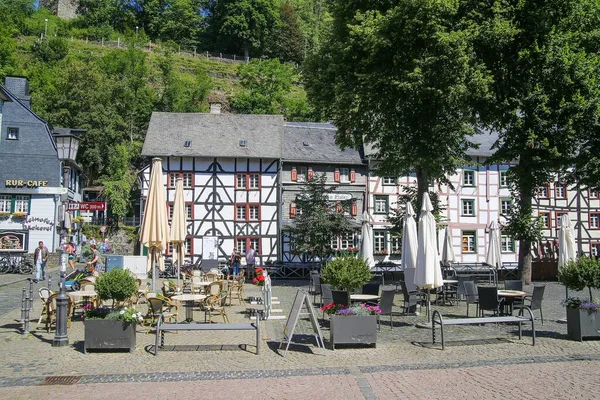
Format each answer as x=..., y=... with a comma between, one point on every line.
x=353, y=329
x=108, y=334
x=582, y=324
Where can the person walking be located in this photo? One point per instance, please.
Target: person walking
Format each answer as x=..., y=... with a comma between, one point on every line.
x=40, y=257
x=70, y=250
x=250, y=261
x=236, y=259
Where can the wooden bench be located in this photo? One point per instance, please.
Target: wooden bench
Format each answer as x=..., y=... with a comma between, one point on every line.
x=437, y=319
x=161, y=327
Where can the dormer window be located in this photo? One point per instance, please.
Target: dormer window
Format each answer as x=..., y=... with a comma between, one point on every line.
x=12, y=134
x=187, y=143
x=243, y=143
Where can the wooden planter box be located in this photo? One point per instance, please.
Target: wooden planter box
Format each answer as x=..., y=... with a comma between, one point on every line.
x=106, y=334
x=353, y=329
x=582, y=324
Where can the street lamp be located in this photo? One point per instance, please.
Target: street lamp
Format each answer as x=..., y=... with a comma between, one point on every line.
x=136, y=32
x=45, y=27
x=67, y=145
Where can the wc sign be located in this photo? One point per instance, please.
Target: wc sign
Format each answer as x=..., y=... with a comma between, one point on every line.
x=87, y=206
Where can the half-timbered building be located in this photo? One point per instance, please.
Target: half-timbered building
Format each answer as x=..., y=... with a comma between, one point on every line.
x=230, y=169
x=309, y=149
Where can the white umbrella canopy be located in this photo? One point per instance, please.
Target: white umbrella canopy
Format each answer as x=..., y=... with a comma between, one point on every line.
x=566, y=241
x=178, y=231
x=448, y=256
x=428, y=274
x=409, y=246
x=493, y=256
x=155, y=226
x=366, y=245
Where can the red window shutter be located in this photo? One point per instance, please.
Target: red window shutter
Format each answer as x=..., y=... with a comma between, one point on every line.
x=354, y=209
x=338, y=206
x=311, y=174
x=292, y=210
x=352, y=175
x=336, y=175
x=294, y=174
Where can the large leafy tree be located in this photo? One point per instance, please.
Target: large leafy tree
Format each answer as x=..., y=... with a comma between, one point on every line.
x=318, y=220
x=544, y=60
x=241, y=24
x=288, y=41
x=172, y=20
x=402, y=76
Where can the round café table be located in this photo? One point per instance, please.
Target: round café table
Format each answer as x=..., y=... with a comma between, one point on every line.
x=363, y=297
x=188, y=300
x=510, y=295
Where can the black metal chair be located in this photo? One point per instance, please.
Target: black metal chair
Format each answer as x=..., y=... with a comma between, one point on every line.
x=316, y=289
x=371, y=288
x=471, y=296
x=488, y=300
x=411, y=299
x=513, y=285
x=535, y=300
x=326, y=296
x=340, y=297
x=386, y=303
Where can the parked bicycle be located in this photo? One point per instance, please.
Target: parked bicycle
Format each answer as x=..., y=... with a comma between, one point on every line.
x=15, y=264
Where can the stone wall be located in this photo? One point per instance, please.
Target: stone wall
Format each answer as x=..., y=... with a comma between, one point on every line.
x=66, y=9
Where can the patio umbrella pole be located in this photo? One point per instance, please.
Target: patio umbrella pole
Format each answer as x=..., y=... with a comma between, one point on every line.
x=153, y=270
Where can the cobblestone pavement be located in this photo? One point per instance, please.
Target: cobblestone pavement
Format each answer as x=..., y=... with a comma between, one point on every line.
x=476, y=359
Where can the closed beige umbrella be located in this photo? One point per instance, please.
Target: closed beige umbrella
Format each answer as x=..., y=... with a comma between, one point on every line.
x=155, y=226
x=178, y=226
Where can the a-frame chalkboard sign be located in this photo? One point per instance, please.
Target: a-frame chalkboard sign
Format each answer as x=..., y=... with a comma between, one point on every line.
x=302, y=299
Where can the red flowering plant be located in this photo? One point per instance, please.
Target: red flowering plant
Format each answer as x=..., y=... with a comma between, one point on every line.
x=332, y=308
x=259, y=280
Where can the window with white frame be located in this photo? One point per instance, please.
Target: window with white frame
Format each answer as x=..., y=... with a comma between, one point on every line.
x=469, y=242
x=173, y=178
x=378, y=241
x=503, y=178
x=12, y=133
x=468, y=207
x=507, y=244
x=594, y=194
x=240, y=181
x=545, y=220
x=253, y=212
x=240, y=213
x=5, y=203
x=347, y=240
x=171, y=210
x=505, y=206
x=468, y=177
x=381, y=204
x=302, y=174
x=543, y=192
x=334, y=242
x=188, y=211
x=389, y=180
x=344, y=174
x=595, y=220
x=255, y=243
x=21, y=204
x=240, y=244
x=560, y=190
x=188, y=179
x=254, y=181
x=595, y=250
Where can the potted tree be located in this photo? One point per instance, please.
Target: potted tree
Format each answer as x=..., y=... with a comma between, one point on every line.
x=114, y=327
x=583, y=317
x=346, y=273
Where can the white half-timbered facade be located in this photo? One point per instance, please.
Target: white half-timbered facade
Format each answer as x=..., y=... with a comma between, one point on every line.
x=230, y=169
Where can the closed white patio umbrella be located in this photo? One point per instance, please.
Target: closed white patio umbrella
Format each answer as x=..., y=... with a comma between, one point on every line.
x=178, y=231
x=155, y=226
x=493, y=256
x=428, y=274
x=448, y=256
x=566, y=246
x=409, y=246
x=366, y=244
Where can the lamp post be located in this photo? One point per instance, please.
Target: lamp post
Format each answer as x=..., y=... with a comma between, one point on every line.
x=67, y=145
x=45, y=27
x=136, y=32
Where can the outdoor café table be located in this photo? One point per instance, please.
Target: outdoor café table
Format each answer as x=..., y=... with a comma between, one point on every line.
x=88, y=295
x=510, y=295
x=363, y=297
x=446, y=283
x=188, y=300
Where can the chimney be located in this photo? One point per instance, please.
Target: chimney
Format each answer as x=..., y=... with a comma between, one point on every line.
x=19, y=87
x=215, y=108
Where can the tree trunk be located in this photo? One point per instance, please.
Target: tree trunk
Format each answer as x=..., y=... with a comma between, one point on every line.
x=525, y=258
x=246, y=52
x=422, y=187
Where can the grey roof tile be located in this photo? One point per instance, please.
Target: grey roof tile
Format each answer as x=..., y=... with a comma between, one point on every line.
x=214, y=135
x=315, y=142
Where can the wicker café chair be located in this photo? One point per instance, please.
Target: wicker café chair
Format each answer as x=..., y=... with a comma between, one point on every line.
x=237, y=289
x=51, y=311
x=45, y=294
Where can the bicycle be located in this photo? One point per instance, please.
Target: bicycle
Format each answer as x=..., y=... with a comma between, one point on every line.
x=13, y=264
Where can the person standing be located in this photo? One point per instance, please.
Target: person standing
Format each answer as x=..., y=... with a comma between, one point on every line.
x=93, y=263
x=236, y=258
x=40, y=256
x=70, y=250
x=250, y=261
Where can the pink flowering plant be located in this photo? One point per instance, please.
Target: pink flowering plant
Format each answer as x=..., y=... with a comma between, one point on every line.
x=341, y=309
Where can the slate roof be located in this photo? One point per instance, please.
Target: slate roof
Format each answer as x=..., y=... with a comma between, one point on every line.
x=315, y=143
x=214, y=135
x=484, y=138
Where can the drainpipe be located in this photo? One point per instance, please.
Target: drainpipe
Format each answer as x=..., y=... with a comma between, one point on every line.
x=279, y=184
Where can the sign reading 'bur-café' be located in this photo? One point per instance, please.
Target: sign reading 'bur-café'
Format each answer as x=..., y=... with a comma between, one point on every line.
x=22, y=183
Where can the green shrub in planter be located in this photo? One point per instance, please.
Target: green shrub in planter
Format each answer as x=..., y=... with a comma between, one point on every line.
x=346, y=273
x=116, y=284
x=581, y=274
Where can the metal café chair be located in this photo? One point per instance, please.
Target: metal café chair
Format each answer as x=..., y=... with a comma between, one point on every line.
x=488, y=299
x=386, y=303
x=340, y=297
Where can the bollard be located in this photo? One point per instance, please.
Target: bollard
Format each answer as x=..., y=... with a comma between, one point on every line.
x=30, y=306
x=23, y=306
x=118, y=42
x=49, y=283
x=26, y=319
